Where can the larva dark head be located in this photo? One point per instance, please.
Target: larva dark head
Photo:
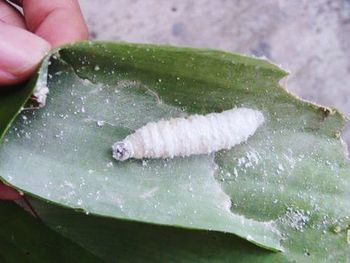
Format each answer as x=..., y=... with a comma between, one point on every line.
x=121, y=151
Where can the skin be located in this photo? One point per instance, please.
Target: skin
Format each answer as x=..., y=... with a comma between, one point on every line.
x=25, y=39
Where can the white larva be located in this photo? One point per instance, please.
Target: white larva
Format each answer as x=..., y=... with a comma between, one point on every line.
x=196, y=134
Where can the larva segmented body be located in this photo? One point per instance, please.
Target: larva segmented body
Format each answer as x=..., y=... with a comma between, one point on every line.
x=196, y=134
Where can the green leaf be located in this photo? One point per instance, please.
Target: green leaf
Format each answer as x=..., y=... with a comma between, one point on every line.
x=125, y=241
x=291, y=177
x=24, y=239
x=68, y=154
x=138, y=242
x=13, y=98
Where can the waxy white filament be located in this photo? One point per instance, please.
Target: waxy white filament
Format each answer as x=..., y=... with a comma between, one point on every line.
x=196, y=134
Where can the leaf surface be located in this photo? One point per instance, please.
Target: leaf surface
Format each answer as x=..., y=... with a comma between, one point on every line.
x=290, y=181
x=24, y=239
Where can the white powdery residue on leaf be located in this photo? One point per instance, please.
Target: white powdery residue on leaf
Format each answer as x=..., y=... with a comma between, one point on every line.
x=289, y=158
x=280, y=167
x=196, y=134
x=40, y=94
x=124, y=83
x=270, y=232
x=100, y=123
x=150, y=193
x=296, y=219
x=253, y=157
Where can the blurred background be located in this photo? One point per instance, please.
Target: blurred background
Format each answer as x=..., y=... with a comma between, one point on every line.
x=310, y=38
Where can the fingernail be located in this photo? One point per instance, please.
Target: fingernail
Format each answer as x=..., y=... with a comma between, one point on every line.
x=21, y=51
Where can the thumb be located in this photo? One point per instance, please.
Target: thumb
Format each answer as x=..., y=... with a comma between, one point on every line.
x=7, y=193
x=20, y=53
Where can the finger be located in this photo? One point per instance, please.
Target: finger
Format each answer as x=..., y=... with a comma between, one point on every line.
x=10, y=15
x=21, y=52
x=57, y=21
x=7, y=193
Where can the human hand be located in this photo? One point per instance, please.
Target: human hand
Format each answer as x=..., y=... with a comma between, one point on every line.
x=7, y=193
x=24, y=40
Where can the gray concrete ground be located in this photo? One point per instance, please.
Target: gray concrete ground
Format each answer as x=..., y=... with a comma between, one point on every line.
x=311, y=38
